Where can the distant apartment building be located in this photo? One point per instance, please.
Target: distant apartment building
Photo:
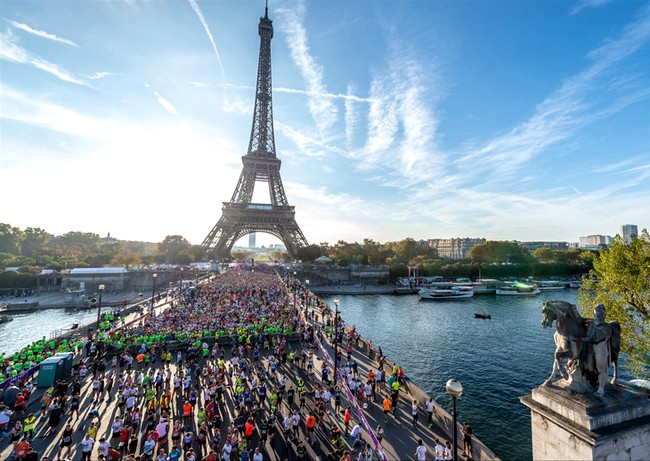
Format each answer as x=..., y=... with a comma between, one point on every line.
x=532, y=246
x=455, y=248
x=628, y=230
x=594, y=241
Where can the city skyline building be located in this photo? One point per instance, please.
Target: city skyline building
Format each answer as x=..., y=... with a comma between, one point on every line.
x=591, y=242
x=454, y=248
x=629, y=230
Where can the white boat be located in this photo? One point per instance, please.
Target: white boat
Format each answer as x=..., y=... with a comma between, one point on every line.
x=453, y=292
x=518, y=289
x=545, y=285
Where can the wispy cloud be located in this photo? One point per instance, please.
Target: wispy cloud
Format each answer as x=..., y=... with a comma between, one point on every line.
x=169, y=107
x=402, y=124
x=99, y=75
x=11, y=51
x=306, y=144
x=40, y=33
x=346, y=97
x=238, y=106
x=579, y=101
x=322, y=108
x=199, y=14
x=352, y=114
x=583, y=4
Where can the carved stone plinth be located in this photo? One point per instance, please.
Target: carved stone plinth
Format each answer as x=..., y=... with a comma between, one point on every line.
x=571, y=426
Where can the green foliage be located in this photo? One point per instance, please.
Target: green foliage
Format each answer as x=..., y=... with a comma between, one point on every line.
x=10, y=238
x=242, y=255
x=175, y=249
x=500, y=252
x=35, y=241
x=12, y=279
x=309, y=253
x=620, y=280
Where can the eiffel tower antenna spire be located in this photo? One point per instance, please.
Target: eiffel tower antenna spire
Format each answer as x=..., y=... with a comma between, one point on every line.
x=240, y=216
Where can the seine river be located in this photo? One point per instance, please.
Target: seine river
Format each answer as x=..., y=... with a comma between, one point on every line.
x=496, y=361
x=29, y=327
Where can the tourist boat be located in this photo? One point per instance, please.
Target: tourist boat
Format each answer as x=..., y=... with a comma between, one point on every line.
x=4, y=318
x=545, y=285
x=482, y=315
x=451, y=292
x=486, y=286
x=518, y=289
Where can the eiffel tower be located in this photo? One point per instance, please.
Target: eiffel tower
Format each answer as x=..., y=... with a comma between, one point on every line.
x=240, y=216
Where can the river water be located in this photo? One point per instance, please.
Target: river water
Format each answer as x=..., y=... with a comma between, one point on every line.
x=29, y=327
x=496, y=361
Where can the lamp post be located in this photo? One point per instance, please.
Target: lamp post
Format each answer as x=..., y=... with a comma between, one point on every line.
x=455, y=389
x=180, y=283
x=153, y=291
x=336, y=339
x=307, y=295
x=101, y=288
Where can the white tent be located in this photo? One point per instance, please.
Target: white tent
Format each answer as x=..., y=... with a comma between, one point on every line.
x=323, y=259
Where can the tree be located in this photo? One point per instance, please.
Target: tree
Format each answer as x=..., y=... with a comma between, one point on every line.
x=242, y=255
x=309, y=253
x=77, y=244
x=172, y=247
x=35, y=241
x=10, y=238
x=620, y=280
x=499, y=252
x=545, y=255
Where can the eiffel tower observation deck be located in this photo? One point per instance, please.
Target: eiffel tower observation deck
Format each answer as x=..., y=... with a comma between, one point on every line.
x=240, y=216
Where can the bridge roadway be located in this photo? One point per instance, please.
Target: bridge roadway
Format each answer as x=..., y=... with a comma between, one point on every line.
x=399, y=442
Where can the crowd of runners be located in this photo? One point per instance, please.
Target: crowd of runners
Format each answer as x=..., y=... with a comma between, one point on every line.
x=231, y=371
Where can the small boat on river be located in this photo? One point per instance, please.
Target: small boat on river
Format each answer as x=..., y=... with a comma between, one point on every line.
x=482, y=315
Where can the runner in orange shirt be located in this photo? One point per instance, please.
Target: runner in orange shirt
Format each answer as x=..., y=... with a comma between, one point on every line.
x=21, y=448
x=386, y=408
x=311, y=424
x=187, y=412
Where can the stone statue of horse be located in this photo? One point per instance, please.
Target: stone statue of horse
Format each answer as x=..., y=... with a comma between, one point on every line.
x=588, y=347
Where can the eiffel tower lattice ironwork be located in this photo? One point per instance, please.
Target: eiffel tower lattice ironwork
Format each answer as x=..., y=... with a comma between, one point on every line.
x=240, y=216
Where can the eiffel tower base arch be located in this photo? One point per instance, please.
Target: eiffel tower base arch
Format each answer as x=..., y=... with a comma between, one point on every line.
x=238, y=220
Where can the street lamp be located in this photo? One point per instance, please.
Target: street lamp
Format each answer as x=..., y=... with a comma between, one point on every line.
x=180, y=283
x=101, y=288
x=455, y=389
x=295, y=288
x=153, y=291
x=336, y=339
x=307, y=295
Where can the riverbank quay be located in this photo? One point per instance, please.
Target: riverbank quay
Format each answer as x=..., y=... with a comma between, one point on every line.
x=58, y=299
x=399, y=440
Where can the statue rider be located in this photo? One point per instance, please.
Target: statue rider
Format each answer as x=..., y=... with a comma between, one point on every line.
x=598, y=330
x=595, y=350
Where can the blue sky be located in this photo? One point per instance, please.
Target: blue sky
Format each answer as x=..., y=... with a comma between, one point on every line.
x=526, y=120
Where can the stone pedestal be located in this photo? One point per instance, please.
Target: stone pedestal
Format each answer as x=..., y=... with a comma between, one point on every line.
x=570, y=426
